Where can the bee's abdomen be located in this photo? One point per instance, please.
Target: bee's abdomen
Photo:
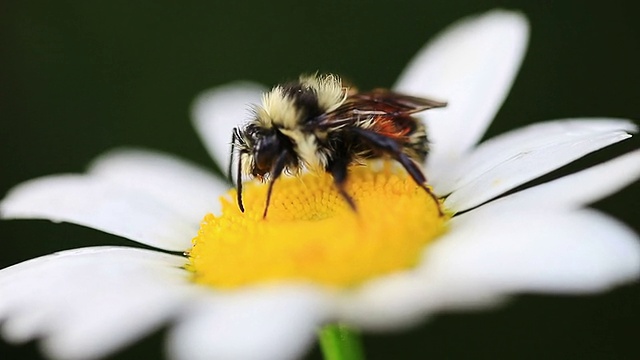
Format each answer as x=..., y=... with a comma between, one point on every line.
x=417, y=146
x=407, y=131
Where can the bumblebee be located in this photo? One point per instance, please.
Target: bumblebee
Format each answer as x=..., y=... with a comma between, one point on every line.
x=317, y=123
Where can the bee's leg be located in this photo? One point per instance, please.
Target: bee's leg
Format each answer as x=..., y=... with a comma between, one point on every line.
x=276, y=171
x=392, y=148
x=338, y=169
x=417, y=176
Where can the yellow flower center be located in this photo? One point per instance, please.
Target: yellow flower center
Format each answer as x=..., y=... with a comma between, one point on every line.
x=311, y=234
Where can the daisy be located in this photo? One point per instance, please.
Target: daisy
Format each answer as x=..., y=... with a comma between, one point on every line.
x=252, y=288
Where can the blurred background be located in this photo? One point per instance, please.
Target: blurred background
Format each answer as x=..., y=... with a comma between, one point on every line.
x=78, y=78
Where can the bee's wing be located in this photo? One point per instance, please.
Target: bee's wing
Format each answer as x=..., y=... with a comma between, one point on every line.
x=381, y=111
x=389, y=102
x=386, y=108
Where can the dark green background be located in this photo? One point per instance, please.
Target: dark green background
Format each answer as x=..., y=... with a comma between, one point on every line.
x=81, y=77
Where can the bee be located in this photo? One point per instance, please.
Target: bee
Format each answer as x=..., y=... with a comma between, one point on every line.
x=317, y=123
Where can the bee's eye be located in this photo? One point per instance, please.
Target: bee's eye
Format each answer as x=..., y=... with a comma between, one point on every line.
x=266, y=151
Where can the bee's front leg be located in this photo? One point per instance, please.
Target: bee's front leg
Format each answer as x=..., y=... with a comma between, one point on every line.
x=338, y=168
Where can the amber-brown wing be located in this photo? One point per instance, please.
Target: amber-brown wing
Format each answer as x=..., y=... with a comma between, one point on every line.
x=385, y=112
x=388, y=102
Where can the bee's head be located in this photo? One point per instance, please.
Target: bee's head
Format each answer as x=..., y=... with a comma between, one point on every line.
x=266, y=149
x=261, y=147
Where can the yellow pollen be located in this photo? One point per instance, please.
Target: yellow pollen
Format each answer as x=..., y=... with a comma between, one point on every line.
x=312, y=235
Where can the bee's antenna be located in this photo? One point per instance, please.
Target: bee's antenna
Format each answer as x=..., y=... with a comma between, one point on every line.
x=232, y=156
x=276, y=171
x=239, y=182
x=234, y=138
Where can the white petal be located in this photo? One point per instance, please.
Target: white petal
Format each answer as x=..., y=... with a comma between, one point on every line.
x=217, y=111
x=543, y=251
x=503, y=147
x=87, y=303
x=182, y=186
x=103, y=205
x=269, y=323
x=150, y=197
x=572, y=191
x=472, y=65
x=514, y=158
x=405, y=299
x=483, y=259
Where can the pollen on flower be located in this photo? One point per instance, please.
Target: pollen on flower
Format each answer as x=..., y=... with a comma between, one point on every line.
x=310, y=233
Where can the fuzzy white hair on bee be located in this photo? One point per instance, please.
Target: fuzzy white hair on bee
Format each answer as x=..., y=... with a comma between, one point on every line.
x=317, y=123
x=306, y=147
x=278, y=109
x=287, y=105
x=328, y=88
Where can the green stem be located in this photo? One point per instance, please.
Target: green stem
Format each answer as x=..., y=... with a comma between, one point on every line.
x=339, y=342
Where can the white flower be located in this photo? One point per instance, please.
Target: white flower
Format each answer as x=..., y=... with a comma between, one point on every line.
x=86, y=303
